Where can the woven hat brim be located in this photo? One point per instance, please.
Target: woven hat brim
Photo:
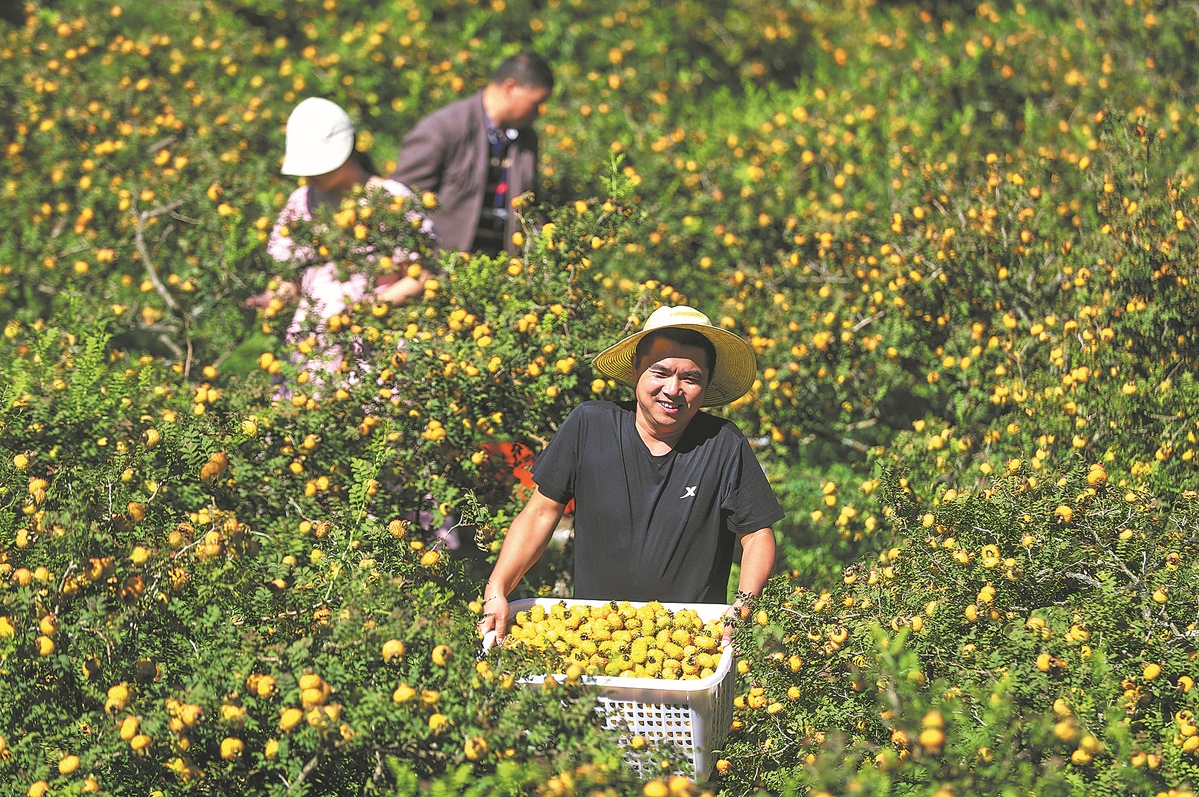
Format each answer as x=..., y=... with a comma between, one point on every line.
x=736, y=363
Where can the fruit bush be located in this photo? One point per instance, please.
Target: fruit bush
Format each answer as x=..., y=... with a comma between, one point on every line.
x=959, y=238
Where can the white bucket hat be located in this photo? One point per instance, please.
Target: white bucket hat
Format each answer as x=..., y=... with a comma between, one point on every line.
x=320, y=137
x=736, y=365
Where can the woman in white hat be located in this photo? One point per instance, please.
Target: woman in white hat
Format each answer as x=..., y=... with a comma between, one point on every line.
x=320, y=147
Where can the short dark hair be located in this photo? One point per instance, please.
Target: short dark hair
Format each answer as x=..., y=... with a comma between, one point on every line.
x=528, y=69
x=682, y=337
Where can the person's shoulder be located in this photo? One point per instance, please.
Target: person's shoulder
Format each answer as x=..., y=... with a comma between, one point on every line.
x=717, y=428
x=297, y=204
x=597, y=408
x=455, y=110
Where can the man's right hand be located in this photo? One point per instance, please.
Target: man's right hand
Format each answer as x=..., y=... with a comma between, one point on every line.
x=495, y=619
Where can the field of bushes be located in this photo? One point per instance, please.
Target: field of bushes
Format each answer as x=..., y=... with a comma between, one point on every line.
x=960, y=237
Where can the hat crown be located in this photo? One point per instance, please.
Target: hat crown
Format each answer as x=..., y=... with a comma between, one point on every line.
x=320, y=137
x=666, y=316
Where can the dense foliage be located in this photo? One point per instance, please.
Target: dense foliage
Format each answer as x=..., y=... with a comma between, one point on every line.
x=959, y=236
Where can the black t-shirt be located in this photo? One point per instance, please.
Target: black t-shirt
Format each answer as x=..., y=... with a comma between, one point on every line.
x=654, y=527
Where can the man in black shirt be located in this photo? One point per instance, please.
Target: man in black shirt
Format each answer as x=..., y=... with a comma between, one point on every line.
x=661, y=489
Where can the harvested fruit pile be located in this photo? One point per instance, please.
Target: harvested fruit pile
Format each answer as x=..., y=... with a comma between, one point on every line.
x=623, y=640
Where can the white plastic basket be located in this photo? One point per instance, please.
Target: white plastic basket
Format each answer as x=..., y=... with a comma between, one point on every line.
x=694, y=715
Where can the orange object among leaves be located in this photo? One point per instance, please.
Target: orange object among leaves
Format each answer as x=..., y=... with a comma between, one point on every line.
x=518, y=460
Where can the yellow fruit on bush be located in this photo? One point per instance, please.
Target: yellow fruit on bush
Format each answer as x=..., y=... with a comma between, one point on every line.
x=231, y=748
x=656, y=788
x=1151, y=671
x=38, y=789
x=441, y=655
x=403, y=693
x=290, y=718
x=437, y=722
x=311, y=680
x=932, y=738
x=141, y=743
x=393, y=650
x=312, y=697
x=68, y=764
x=271, y=749
x=118, y=698
x=7, y=629
x=266, y=686
x=475, y=748
x=129, y=727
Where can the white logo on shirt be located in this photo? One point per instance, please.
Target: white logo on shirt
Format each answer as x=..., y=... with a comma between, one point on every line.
x=690, y=492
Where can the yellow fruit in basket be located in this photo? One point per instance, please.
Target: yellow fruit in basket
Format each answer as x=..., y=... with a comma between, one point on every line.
x=617, y=639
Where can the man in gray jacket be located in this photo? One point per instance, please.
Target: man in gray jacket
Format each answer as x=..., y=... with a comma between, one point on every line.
x=478, y=154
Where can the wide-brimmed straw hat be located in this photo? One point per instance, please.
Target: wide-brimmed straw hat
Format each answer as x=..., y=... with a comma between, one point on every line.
x=736, y=365
x=320, y=137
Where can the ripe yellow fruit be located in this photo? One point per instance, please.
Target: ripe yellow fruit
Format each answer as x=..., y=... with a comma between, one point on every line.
x=140, y=743
x=129, y=727
x=68, y=764
x=1151, y=671
x=441, y=655
x=403, y=693
x=231, y=748
x=475, y=748
x=932, y=738
x=312, y=697
x=656, y=788
x=38, y=789
x=290, y=718
x=393, y=649
x=437, y=722
x=266, y=686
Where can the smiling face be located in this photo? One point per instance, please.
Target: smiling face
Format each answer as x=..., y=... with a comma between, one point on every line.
x=671, y=380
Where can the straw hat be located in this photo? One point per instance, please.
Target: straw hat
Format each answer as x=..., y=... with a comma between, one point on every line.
x=320, y=137
x=736, y=365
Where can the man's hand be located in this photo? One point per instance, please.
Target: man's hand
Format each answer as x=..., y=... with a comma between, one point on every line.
x=494, y=625
x=735, y=615
x=526, y=540
x=285, y=293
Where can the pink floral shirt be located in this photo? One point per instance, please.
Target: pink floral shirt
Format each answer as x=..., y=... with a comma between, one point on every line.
x=321, y=292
